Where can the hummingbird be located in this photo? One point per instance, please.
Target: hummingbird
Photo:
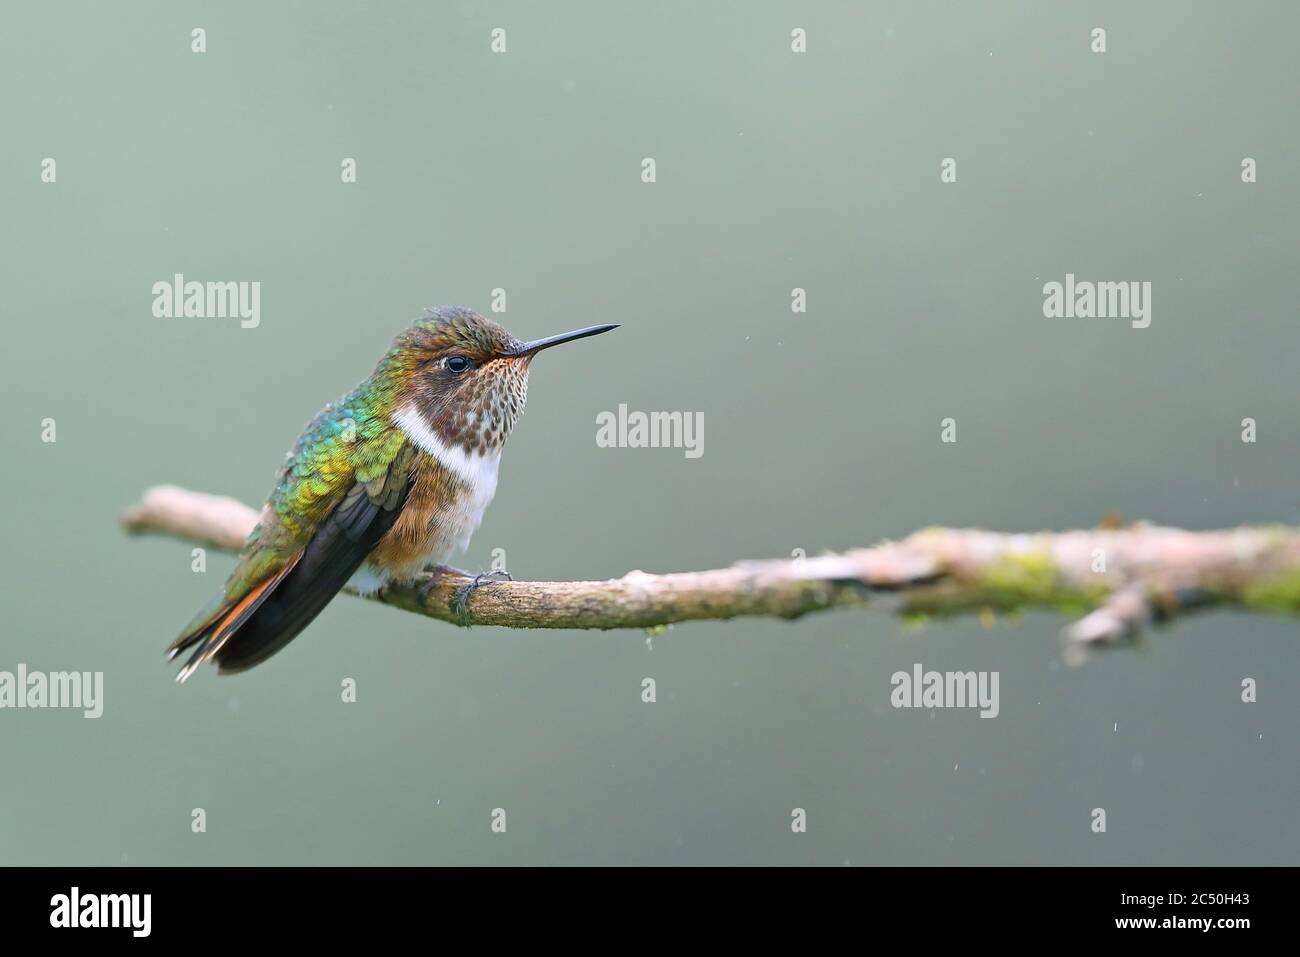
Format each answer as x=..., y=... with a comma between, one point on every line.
x=391, y=477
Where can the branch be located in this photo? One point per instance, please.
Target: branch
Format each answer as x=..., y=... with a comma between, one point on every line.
x=1117, y=579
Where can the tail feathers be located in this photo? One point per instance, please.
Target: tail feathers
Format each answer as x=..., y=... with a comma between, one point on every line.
x=214, y=631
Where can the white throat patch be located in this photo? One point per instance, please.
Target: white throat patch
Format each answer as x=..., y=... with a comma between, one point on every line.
x=479, y=472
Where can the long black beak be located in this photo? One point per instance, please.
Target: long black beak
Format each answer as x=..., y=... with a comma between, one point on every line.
x=537, y=345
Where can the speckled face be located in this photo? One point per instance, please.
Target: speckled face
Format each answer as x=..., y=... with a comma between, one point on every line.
x=468, y=390
x=478, y=412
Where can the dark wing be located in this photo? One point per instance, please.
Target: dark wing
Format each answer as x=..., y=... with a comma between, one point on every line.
x=273, y=614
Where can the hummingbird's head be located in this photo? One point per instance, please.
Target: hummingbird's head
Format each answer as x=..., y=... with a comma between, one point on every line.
x=466, y=377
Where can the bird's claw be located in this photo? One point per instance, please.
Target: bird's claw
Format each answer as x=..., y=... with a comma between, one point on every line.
x=460, y=600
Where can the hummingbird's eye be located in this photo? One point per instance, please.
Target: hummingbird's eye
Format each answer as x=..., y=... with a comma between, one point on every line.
x=457, y=363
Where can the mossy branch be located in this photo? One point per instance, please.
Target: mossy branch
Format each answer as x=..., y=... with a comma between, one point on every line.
x=1117, y=580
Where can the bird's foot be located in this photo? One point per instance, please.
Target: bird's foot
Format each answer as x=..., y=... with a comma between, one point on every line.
x=434, y=576
x=460, y=601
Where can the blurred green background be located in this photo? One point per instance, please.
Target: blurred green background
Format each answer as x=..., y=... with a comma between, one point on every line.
x=821, y=431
